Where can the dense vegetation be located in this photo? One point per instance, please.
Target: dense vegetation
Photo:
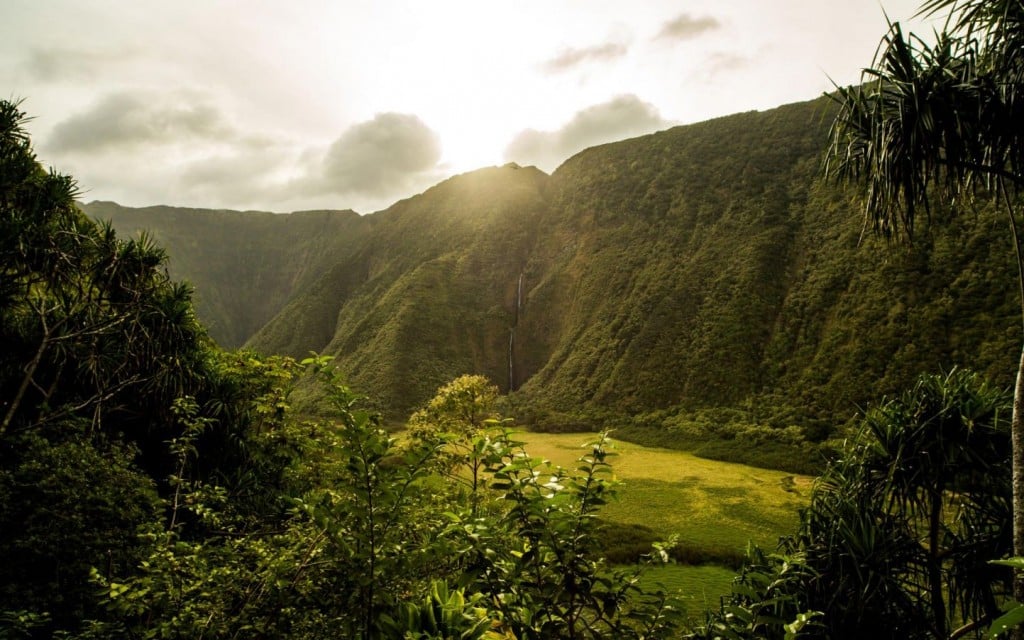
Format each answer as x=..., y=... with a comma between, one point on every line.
x=693, y=286
x=942, y=121
x=901, y=530
x=153, y=485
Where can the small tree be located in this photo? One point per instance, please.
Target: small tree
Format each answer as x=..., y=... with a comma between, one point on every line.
x=546, y=576
x=459, y=417
x=901, y=528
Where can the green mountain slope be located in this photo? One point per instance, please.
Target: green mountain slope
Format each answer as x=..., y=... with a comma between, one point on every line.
x=244, y=265
x=431, y=294
x=703, y=266
x=713, y=267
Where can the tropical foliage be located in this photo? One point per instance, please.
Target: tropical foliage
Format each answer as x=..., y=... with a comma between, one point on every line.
x=940, y=122
x=898, y=538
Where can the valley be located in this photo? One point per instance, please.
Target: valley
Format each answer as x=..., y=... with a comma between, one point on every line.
x=704, y=287
x=750, y=377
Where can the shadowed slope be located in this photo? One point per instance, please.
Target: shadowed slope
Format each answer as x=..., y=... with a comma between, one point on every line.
x=245, y=265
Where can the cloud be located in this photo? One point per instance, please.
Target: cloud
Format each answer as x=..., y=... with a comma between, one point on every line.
x=622, y=117
x=726, y=61
x=570, y=58
x=55, y=64
x=176, y=147
x=687, y=27
x=380, y=155
x=252, y=177
x=718, y=66
x=182, y=148
x=133, y=119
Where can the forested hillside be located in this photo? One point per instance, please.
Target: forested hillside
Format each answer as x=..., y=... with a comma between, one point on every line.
x=245, y=265
x=709, y=265
x=702, y=288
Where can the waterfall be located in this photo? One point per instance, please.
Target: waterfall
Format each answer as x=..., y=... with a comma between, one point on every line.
x=512, y=335
x=511, y=350
x=519, y=296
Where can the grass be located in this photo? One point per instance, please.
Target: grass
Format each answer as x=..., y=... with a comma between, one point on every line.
x=697, y=588
x=716, y=508
x=707, y=503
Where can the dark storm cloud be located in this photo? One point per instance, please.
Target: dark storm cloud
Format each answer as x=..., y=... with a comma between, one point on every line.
x=622, y=117
x=570, y=58
x=687, y=27
x=380, y=155
x=128, y=120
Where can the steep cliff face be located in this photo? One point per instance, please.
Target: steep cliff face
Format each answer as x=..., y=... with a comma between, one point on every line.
x=245, y=265
x=430, y=295
x=711, y=265
x=707, y=265
x=681, y=243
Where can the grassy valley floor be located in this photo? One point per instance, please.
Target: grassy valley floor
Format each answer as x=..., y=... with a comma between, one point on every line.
x=717, y=507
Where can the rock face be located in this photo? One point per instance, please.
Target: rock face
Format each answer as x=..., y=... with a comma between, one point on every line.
x=706, y=265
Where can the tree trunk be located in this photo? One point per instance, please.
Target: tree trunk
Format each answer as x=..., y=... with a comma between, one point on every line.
x=935, y=583
x=1017, y=444
x=1017, y=501
x=30, y=371
x=1017, y=422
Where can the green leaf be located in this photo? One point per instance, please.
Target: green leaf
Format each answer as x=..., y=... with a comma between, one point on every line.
x=1012, y=618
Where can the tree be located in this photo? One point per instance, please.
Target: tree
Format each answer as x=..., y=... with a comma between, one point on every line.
x=458, y=418
x=901, y=528
x=897, y=538
x=91, y=324
x=97, y=341
x=98, y=345
x=943, y=123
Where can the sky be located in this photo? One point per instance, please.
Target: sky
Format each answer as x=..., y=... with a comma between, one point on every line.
x=285, y=105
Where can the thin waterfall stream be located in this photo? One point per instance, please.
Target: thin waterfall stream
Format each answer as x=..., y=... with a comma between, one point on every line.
x=512, y=335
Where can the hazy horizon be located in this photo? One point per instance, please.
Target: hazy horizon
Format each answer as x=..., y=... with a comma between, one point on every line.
x=313, y=105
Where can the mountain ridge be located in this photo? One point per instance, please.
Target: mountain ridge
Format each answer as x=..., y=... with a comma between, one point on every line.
x=708, y=265
x=228, y=254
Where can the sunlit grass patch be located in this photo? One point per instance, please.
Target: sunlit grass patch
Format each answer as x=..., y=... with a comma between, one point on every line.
x=709, y=504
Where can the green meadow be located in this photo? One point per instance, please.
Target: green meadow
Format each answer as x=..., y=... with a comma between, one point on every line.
x=716, y=507
x=698, y=588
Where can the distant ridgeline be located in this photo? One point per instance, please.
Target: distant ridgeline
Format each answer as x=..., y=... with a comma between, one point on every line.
x=704, y=268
